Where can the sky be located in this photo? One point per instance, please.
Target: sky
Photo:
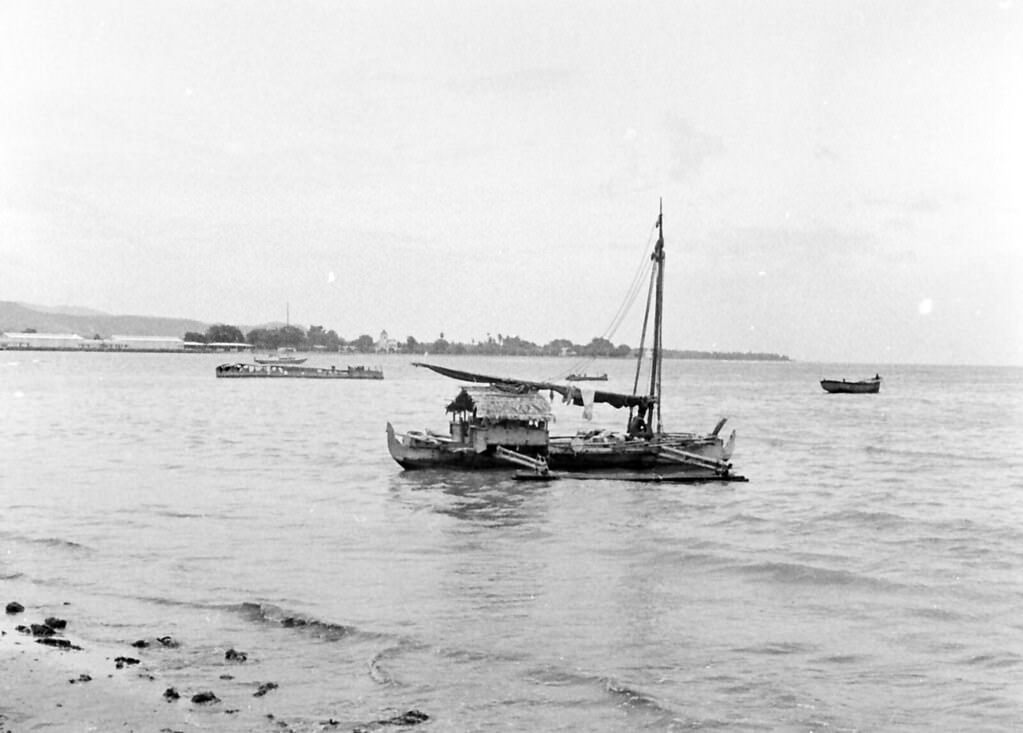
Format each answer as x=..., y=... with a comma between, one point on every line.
x=841, y=180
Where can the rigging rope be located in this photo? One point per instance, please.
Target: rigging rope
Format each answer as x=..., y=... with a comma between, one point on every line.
x=635, y=287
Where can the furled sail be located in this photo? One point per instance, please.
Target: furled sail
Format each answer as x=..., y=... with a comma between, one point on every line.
x=570, y=393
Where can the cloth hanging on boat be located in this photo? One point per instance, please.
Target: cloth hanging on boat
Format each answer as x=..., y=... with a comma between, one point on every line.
x=587, y=394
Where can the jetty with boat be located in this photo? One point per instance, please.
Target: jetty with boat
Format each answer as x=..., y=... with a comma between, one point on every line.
x=243, y=370
x=496, y=421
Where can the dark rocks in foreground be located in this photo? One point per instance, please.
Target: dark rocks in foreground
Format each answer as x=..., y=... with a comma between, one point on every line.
x=232, y=655
x=167, y=642
x=264, y=688
x=411, y=717
x=58, y=643
x=56, y=623
x=46, y=634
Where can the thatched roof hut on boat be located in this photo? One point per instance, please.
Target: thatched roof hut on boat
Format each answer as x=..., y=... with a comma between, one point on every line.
x=498, y=404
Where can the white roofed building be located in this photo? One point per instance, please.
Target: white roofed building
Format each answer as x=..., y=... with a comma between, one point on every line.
x=146, y=343
x=28, y=340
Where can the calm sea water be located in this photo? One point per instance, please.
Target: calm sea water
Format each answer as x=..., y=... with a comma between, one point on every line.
x=869, y=576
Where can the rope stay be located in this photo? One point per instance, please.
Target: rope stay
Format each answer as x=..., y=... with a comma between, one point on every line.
x=641, y=275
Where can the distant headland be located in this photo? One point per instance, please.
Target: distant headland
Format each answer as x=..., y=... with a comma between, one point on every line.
x=26, y=327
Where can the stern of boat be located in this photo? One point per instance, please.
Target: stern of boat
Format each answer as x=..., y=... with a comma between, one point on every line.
x=729, y=447
x=422, y=449
x=395, y=446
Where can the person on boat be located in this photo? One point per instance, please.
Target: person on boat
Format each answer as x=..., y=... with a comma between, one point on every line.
x=638, y=428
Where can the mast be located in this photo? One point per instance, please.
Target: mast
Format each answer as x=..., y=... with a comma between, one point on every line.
x=656, y=356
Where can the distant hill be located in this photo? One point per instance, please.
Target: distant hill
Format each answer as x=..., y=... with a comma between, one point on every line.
x=88, y=323
x=68, y=310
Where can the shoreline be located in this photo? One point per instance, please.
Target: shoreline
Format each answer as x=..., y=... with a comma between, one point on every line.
x=83, y=685
x=90, y=686
x=674, y=355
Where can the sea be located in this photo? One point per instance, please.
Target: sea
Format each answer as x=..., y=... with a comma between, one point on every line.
x=867, y=577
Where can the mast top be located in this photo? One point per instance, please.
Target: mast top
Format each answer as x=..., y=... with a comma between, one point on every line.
x=658, y=254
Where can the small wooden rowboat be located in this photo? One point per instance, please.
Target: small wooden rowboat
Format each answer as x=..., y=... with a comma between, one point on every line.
x=864, y=386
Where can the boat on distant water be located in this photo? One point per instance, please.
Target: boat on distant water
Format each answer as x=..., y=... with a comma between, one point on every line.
x=863, y=386
x=283, y=371
x=507, y=421
x=586, y=377
x=284, y=355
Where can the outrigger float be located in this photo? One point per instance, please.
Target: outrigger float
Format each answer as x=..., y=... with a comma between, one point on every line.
x=496, y=421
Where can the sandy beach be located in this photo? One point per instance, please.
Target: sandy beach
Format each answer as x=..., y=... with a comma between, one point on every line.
x=84, y=688
x=101, y=687
x=73, y=689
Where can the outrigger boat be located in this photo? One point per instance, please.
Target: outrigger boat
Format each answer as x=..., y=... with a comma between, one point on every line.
x=507, y=421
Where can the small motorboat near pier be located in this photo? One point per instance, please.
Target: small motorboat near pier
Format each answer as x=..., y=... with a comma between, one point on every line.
x=284, y=355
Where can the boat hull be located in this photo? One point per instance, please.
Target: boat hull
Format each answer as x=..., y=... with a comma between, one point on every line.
x=422, y=450
x=597, y=455
x=285, y=371
x=594, y=454
x=867, y=386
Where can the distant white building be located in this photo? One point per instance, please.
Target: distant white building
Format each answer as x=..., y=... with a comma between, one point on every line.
x=146, y=343
x=20, y=340
x=74, y=342
x=387, y=345
x=225, y=346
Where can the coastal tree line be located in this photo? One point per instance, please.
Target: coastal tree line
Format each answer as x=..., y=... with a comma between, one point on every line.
x=316, y=338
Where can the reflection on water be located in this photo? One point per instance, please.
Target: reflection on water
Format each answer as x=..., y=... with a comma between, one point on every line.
x=486, y=498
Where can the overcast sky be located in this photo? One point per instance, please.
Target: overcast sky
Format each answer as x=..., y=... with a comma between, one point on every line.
x=841, y=180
